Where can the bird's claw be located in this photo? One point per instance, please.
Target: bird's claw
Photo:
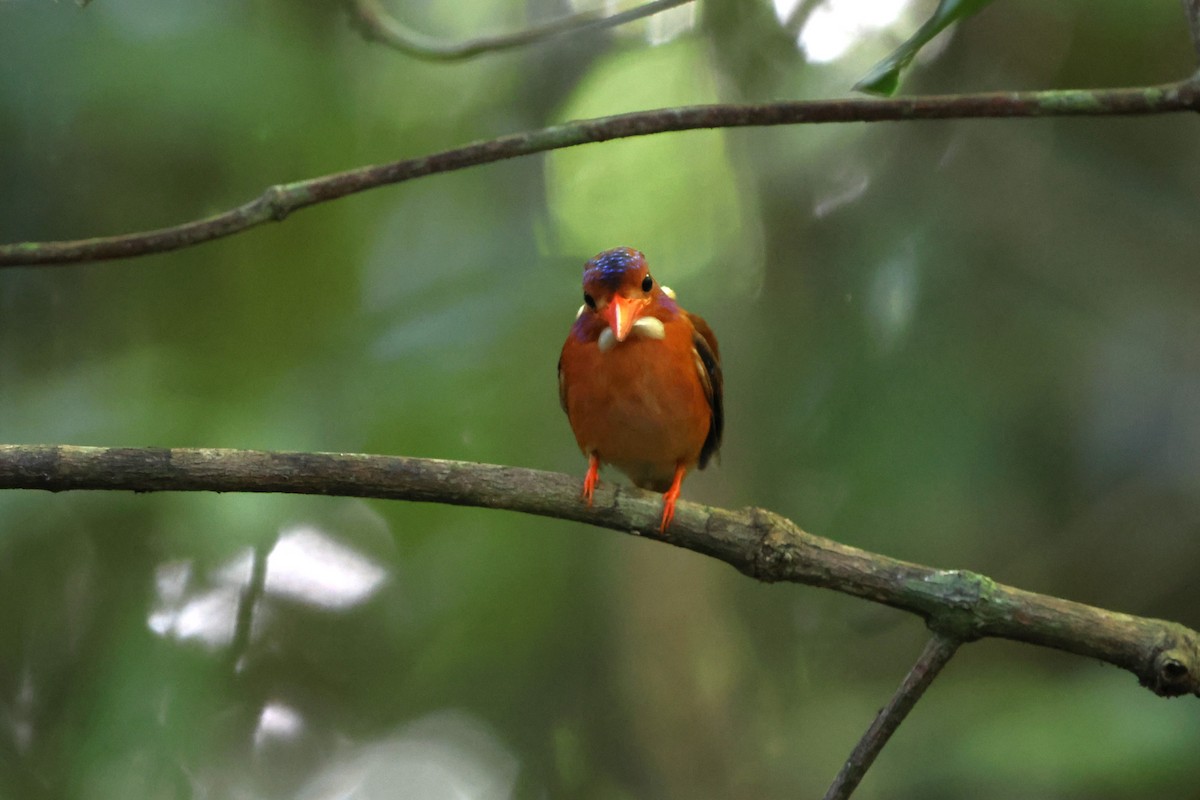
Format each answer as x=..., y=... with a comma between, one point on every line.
x=591, y=479
x=668, y=515
x=670, y=497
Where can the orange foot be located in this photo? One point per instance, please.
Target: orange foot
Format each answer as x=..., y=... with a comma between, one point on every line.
x=591, y=479
x=670, y=497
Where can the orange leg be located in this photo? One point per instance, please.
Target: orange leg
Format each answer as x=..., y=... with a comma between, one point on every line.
x=591, y=479
x=670, y=497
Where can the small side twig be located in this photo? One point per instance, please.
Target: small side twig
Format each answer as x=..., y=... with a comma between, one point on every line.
x=1191, y=9
x=378, y=25
x=938, y=651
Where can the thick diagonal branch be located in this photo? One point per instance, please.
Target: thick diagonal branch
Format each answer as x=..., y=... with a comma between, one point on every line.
x=937, y=654
x=277, y=202
x=1164, y=656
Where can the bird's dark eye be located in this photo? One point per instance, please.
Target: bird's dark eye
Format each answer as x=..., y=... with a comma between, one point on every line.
x=647, y=283
x=590, y=301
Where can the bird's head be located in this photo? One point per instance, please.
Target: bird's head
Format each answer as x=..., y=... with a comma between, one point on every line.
x=618, y=288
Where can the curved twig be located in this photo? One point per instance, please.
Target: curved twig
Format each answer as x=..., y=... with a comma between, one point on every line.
x=1191, y=9
x=937, y=653
x=378, y=25
x=962, y=606
x=277, y=202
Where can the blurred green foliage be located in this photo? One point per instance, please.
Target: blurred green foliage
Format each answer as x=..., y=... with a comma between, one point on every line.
x=971, y=344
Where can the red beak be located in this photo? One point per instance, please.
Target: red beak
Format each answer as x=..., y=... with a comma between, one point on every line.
x=621, y=313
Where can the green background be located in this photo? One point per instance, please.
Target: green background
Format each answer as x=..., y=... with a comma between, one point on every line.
x=971, y=344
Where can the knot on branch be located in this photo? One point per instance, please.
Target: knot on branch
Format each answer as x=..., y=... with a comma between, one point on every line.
x=774, y=556
x=1173, y=672
x=959, y=595
x=1185, y=93
x=278, y=201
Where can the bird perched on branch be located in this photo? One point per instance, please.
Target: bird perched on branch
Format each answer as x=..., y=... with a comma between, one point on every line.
x=640, y=379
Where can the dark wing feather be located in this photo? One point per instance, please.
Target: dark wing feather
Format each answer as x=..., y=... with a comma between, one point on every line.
x=562, y=386
x=708, y=356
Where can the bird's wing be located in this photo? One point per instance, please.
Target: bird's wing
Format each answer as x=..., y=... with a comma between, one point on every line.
x=562, y=386
x=708, y=365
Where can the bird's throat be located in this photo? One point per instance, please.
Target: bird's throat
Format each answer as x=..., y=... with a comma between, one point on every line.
x=645, y=327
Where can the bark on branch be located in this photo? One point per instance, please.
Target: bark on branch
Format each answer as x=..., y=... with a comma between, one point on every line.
x=277, y=202
x=957, y=605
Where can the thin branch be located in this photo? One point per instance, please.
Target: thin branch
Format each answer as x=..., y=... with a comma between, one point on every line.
x=378, y=25
x=277, y=202
x=1165, y=656
x=937, y=653
x=1191, y=9
x=248, y=602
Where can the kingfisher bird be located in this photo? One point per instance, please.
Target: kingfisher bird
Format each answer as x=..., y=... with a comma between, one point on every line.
x=640, y=379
